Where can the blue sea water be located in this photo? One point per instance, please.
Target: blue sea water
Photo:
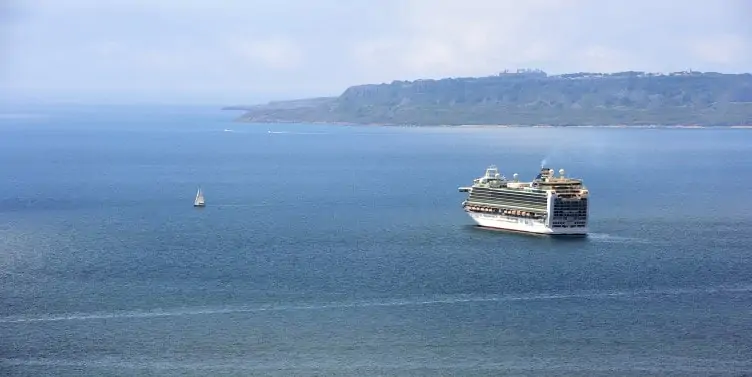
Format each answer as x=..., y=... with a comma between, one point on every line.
x=343, y=250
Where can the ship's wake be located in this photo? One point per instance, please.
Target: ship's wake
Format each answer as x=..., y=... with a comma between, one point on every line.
x=397, y=302
x=610, y=238
x=296, y=133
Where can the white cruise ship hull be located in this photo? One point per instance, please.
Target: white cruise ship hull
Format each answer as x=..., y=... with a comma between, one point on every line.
x=524, y=225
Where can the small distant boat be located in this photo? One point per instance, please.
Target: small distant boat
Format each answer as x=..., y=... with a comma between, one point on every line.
x=199, y=201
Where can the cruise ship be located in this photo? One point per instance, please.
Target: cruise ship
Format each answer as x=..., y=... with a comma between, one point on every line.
x=552, y=205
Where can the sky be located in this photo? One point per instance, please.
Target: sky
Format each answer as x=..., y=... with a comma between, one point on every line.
x=249, y=51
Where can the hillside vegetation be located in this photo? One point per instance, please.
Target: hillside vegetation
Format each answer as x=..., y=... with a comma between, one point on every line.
x=532, y=98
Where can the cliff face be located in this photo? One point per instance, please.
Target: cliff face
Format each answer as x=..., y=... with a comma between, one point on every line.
x=528, y=98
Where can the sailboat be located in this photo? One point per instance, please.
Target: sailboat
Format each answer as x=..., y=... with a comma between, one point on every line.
x=199, y=201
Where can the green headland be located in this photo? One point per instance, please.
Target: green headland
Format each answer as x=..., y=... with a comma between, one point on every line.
x=530, y=98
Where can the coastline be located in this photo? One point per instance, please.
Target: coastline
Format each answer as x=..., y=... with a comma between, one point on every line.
x=494, y=126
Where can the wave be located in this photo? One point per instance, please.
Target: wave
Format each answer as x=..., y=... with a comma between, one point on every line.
x=434, y=300
x=586, y=366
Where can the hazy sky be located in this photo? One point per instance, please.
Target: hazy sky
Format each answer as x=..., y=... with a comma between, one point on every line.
x=245, y=51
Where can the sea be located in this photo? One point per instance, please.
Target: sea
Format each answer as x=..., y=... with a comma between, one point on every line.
x=335, y=250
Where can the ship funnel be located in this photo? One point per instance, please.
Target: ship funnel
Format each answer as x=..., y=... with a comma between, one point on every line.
x=561, y=173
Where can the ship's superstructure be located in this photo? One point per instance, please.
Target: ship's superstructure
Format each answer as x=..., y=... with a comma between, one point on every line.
x=549, y=204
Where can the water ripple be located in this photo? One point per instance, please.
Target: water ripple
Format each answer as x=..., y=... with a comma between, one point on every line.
x=423, y=301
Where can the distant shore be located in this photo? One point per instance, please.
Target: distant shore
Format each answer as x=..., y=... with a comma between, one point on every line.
x=469, y=126
x=530, y=98
x=605, y=126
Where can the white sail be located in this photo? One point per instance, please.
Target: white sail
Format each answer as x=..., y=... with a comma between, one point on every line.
x=199, y=201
